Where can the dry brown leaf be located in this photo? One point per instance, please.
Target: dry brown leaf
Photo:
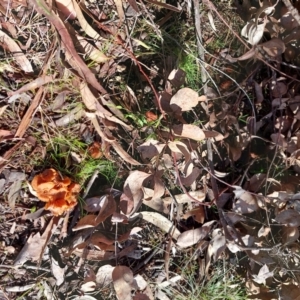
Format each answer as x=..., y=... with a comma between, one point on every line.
x=108, y=210
x=67, y=8
x=197, y=213
x=36, y=244
x=290, y=292
x=87, y=221
x=133, y=188
x=98, y=237
x=14, y=193
x=123, y=282
x=126, y=204
x=155, y=203
x=184, y=100
x=188, y=131
x=95, y=204
x=258, y=92
x=150, y=149
x=279, y=139
x=140, y=296
x=289, y=217
x=213, y=134
x=177, y=78
x=34, y=84
x=93, y=104
x=193, y=236
x=279, y=89
x=246, y=203
x=16, y=51
x=184, y=198
x=79, y=65
x=112, y=142
x=256, y=182
x=179, y=147
x=274, y=47
x=289, y=234
x=190, y=178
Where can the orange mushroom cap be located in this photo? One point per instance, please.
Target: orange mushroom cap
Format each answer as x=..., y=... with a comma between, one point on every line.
x=59, y=193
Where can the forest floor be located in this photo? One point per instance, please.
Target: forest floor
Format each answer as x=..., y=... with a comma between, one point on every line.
x=149, y=150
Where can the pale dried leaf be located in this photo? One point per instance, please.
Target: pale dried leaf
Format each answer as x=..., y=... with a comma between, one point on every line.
x=234, y=248
x=211, y=21
x=262, y=275
x=123, y=282
x=120, y=10
x=161, y=222
x=252, y=32
x=140, y=283
x=133, y=188
x=119, y=218
x=92, y=52
x=93, y=104
x=57, y=271
x=245, y=56
x=217, y=244
x=16, y=51
x=188, y=131
x=263, y=231
x=88, y=286
x=75, y=114
x=184, y=100
x=87, y=28
x=104, y=275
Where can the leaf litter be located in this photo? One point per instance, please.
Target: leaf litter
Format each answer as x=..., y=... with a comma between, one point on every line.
x=239, y=196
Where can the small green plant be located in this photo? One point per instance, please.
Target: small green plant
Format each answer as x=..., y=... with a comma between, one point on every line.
x=188, y=63
x=223, y=285
x=70, y=156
